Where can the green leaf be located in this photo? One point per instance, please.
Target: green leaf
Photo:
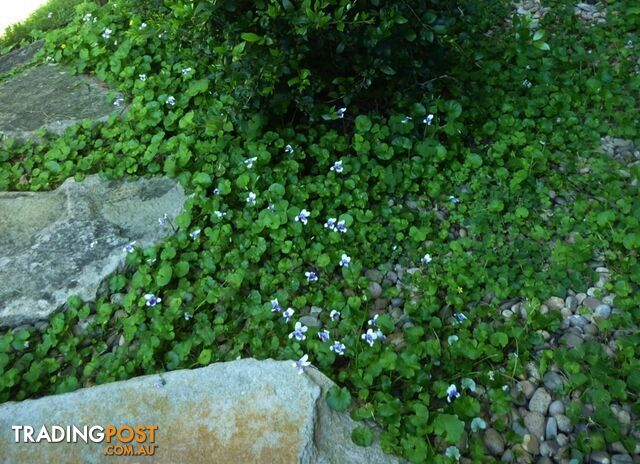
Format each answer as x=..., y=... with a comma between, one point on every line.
x=449, y=426
x=205, y=357
x=363, y=123
x=197, y=87
x=163, y=277
x=499, y=339
x=182, y=269
x=201, y=179
x=338, y=399
x=250, y=37
x=362, y=436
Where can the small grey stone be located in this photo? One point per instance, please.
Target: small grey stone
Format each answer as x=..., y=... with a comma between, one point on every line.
x=315, y=311
x=617, y=448
x=551, y=431
x=494, y=442
x=548, y=448
x=621, y=459
x=507, y=314
x=581, y=297
x=535, y=423
x=310, y=321
x=591, y=303
x=593, y=292
x=375, y=289
x=533, y=372
x=526, y=387
x=555, y=303
x=530, y=444
x=623, y=417
x=373, y=275
x=397, y=302
x=599, y=457
x=562, y=439
x=564, y=423
x=571, y=340
x=507, y=456
x=608, y=300
x=566, y=314
x=540, y=401
x=577, y=321
x=556, y=407
x=591, y=329
x=553, y=381
x=571, y=302
x=602, y=311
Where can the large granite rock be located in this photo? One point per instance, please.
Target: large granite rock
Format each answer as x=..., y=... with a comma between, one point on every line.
x=48, y=97
x=19, y=57
x=67, y=241
x=244, y=411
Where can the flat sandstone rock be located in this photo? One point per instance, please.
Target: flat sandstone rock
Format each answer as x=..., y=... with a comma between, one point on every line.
x=243, y=411
x=49, y=97
x=67, y=241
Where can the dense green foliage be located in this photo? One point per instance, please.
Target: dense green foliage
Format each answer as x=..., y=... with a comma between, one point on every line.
x=503, y=188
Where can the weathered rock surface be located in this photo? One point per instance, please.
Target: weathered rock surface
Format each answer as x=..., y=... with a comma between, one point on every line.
x=50, y=98
x=244, y=411
x=67, y=241
x=19, y=57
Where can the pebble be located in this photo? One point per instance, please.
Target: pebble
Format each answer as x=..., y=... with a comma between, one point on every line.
x=530, y=444
x=621, y=459
x=534, y=421
x=494, y=442
x=571, y=340
x=375, y=289
x=551, y=430
x=553, y=381
x=555, y=303
x=591, y=329
x=591, y=303
x=580, y=297
x=564, y=423
x=602, y=311
x=556, y=407
x=507, y=314
x=117, y=299
x=599, y=457
x=396, y=302
x=373, y=275
x=577, y=321
x=526, y=387
x=593, y=291
x=562, y=439
x=533, y=372
x=507, y=456
x=310, y=321
x=548, y=448
x=540, y=401
x=571, y=302
x=566, y=313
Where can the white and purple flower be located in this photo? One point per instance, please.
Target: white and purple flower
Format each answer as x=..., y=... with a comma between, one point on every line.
x=288, y=149
x=331, y=224
x=251, y=198
x=374, y=321
x=107, y=33
x=426, y=259
x=171, y=100
x=459, y=317
x=311, y=276
x=345, y=260
x=337, y=348
x=370, y=337
x=303, y=217
x=341, y=227
x=275, y=306
x=129, y=247
x=324, y=335
x=302, y=363
x=195, y=234
x=249, y=162
x=340, y=112
x=288, y=314
x=428, y=120
x=452, y=393
x=152, y=300
x=334, y=315
x=337, y=167
x=299, y=332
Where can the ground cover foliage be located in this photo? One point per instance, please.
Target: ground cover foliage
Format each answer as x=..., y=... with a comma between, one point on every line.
x=428, y=128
